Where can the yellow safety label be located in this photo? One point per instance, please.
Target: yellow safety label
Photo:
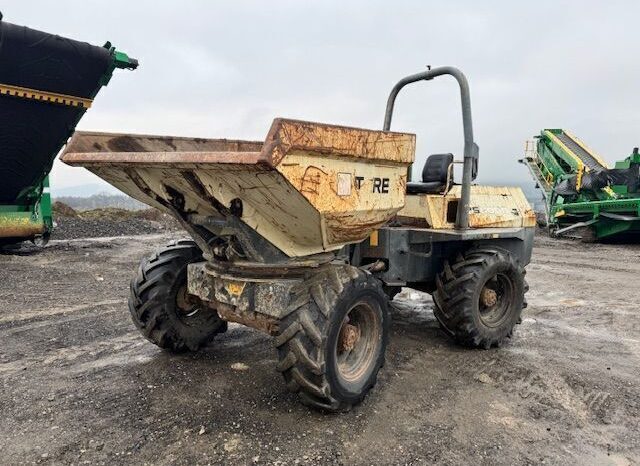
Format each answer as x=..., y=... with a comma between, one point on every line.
x=373, y=239
x=235, y=288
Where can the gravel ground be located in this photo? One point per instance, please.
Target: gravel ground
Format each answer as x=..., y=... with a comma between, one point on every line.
x=80, y=386
x=76, y=227
x=72, y=228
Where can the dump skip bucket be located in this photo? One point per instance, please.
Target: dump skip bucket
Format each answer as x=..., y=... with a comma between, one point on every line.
x=307, y=189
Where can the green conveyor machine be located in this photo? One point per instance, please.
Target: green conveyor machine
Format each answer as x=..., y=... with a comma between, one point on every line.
x=584, y=196
x=47, y=83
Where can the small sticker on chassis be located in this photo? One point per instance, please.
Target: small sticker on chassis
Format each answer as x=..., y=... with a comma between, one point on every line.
x=344, y=184
x=234, y=288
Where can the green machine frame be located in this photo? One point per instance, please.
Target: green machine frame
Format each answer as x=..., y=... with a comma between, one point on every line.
x=583, y=195
x=30, y=220
x=25, y=208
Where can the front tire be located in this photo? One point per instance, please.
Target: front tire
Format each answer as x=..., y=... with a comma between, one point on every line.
x=480, y=297
x=331, y=344
x=160, y=306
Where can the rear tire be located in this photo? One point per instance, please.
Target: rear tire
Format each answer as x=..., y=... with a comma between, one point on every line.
x=160, y=306
x=332, y=342
x=480, y=297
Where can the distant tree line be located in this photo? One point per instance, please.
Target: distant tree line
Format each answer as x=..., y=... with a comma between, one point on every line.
x=100, y=201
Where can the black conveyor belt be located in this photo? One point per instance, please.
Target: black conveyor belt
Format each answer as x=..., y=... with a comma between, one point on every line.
x=587, y=159
x=32, y=132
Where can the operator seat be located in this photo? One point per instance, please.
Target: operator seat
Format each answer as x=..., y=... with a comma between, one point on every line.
x=434, y=175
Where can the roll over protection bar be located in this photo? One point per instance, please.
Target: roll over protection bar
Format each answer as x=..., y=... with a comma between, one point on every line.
x=471, y=151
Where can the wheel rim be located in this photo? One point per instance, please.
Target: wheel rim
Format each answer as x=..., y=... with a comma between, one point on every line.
x=358, y=342
x=496, y=298
x=185, y=305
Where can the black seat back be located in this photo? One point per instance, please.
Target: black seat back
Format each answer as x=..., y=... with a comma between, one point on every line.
x=436, y=168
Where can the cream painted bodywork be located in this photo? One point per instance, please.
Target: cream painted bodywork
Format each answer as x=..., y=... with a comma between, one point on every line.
x=353, y=211
x=308, y=189
x=490, y=207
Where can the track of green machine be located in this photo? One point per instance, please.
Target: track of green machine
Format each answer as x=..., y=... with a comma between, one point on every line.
x=47, y=83
x=583, y=196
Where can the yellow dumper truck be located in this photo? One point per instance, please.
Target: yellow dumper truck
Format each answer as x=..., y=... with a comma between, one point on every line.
x=308, y=235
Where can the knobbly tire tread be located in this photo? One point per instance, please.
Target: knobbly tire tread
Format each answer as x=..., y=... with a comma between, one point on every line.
x=152, y=301
x=453, y=304
x=302, y=340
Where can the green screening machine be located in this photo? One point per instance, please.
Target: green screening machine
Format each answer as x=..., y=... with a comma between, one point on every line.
x=584, y=196
x=47, y=83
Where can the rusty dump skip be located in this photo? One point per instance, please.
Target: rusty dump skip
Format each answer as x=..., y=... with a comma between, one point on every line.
x=91, y=147
x=307, y=189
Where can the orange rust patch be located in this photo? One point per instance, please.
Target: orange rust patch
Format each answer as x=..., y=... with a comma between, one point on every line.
x=250, y=319
x=340, y=141
x=157, y=158
x=89, y=141
x=353, y=226
x=21, y=231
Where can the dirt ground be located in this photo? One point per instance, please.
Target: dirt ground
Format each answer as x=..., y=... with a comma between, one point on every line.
x=80, y=386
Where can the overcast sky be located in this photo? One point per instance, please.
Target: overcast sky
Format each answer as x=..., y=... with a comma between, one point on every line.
x=227, y=68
